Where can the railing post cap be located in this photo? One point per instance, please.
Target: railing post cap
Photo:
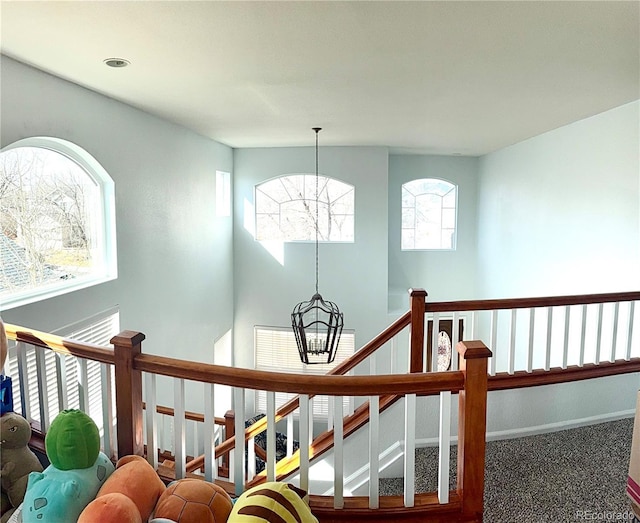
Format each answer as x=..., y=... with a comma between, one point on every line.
x=417, y=292
x=473, y=349
x=128, y=338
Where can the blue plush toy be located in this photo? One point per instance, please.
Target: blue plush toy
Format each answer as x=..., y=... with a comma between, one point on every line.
x=59, y=496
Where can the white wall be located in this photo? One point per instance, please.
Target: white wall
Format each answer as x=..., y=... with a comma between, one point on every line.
x=353, y=275
x=175, y=271
x=445, y=275
x=559, y=213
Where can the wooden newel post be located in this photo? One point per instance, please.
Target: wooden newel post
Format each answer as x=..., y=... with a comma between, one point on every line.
x=127, y=345
x=472, y=427
x=417, y=303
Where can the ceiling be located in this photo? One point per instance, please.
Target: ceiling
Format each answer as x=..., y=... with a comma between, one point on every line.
x=448, y=77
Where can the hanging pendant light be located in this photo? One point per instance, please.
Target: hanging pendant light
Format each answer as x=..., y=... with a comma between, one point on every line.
x=317, y=324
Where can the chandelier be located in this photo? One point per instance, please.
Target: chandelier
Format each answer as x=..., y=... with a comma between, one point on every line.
x=317, y=324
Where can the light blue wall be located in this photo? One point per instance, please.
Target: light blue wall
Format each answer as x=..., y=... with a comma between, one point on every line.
x=175, y=271
x=445, y=275
x=354, y=275
x=559, y=213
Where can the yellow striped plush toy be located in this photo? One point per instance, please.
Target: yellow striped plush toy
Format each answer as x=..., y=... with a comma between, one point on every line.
x=272, y=502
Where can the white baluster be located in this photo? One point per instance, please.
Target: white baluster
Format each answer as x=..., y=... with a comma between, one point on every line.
x=583, y=331
x=435, y=331
x=311, y=402
x=23, y=374
x=455, y=333
x=338, y=454
x=330, y=413
x=565, y=348
x=251, y=458
x=43, y=391
x=210, y=465
x=61, y=373
x=445, y=445
x=374, y=451
x=614, y=341
x=394, y=351
x=290, y=435
x=532, y=324
x=512, y=342
x=547, y=360
x=599, y=333
x=271, y=436
x=494, y=336
x=630, y=329
x=83, y=385
x=409, y=449
x=107, y=409
x=238, y=451
x=304, y=438
x=474, y=324
x=150, y=414
x=179, y=428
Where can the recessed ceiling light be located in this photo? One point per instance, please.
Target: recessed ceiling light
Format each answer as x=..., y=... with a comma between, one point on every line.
x=117, y=62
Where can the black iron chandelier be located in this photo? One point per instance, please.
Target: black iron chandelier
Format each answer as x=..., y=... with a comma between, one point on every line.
x=317, y=324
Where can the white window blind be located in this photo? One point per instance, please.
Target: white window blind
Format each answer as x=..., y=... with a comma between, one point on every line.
x=98, y=329
x=276, y=351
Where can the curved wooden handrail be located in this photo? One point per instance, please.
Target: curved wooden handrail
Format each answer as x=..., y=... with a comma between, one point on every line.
x=422, y=384
x=528, y=303
x=59, y=344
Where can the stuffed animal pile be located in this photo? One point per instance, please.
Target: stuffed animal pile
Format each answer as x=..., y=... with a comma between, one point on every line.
x=81, y=484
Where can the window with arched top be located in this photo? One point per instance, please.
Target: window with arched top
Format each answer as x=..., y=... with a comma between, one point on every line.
x=57, y=221
x=429, y=214
x=285, y=209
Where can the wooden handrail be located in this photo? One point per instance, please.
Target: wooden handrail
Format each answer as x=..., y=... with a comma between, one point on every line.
x=188, y=415
x=538, y=377
x=59, y=344
x=423, y=384
x=528, y=303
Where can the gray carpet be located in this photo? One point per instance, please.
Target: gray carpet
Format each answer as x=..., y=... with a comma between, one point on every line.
x=571, y=475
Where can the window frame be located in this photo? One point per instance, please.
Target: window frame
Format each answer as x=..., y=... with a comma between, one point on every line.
x=323, y=180
x=107, y=267
x=454, y=236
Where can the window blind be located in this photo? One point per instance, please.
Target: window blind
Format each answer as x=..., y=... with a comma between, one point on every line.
x=98, y=329
x=276, y=351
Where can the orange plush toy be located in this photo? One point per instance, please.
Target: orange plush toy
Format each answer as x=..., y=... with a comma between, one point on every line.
x=128, y=496
x=192, y=500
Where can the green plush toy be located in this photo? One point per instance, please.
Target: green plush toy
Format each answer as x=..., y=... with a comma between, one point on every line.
x=73, y=441
x=77, y=471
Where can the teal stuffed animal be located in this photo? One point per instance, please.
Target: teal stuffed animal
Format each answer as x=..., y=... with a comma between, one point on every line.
x=59, y=496
x=77, y=471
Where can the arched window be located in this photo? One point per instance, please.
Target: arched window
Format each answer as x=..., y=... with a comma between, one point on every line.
x=428, y=214
x=286, y=209
x=57, y=221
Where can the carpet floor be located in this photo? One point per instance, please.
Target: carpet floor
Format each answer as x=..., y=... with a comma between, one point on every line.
x=566, y=476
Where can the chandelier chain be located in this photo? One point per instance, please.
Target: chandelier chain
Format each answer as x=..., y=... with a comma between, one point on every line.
x=317, y=130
